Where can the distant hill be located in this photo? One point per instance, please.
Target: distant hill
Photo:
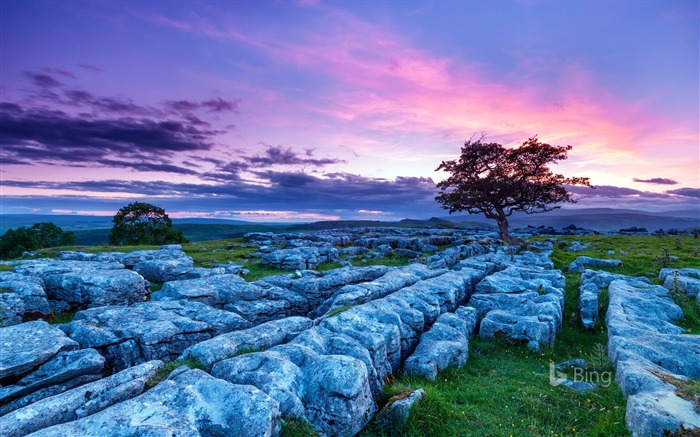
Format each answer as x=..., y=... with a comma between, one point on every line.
x=93, y=230
x=602, y=219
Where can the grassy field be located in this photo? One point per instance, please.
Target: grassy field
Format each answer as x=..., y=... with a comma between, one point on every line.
x=504, y=389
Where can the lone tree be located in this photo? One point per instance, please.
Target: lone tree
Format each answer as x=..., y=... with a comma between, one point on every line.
x=491, y=179
x=143, y=223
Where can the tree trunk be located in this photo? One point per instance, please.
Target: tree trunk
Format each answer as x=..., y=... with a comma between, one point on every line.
x=505, y=235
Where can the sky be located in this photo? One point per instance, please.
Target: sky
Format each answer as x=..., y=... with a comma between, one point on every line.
x=323, y=110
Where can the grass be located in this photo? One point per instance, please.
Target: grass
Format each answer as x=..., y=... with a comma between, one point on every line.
x=297, y=428
x=165, y=371
x=504, y=390
x=60, y=318
x=339, y=310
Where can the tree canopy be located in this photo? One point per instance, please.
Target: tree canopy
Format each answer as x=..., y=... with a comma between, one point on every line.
x=143, y=223
x=497, y=181
x=40, y=235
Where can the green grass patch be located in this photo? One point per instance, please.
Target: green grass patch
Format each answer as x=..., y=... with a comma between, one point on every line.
x=5, y=290
x=6, y=268
x=60, y=318
x=504, y=390
x=165, y=371
x=339, y=310
x=246, y=350
x=292, y=427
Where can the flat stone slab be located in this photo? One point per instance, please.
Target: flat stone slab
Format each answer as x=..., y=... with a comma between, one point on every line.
x=63, y=367
x=258, y=338
x=127, y=335
x=192, y=403
x=644, y=343
x=78, y=402
x=27, y=346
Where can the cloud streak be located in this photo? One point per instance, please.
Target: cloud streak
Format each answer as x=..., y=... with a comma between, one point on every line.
x=658, y=181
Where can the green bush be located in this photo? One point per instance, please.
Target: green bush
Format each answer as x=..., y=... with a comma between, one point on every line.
x=41, y=235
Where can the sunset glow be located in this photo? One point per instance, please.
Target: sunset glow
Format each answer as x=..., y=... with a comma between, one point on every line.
x=327, y=110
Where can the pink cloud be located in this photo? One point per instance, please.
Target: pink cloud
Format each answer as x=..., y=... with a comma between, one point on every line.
x=387, y=92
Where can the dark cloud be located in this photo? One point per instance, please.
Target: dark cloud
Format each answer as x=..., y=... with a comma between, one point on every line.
x=108, y=105
x=55, y=137
x=281, y=191
x=660, y=181
x=212, y=105
x=278, y=155
x=687, y=192
x=272, y=156
x=90, y=67
x=610, y=191
x=107, y=131
x=43, y=80
x=220, y=105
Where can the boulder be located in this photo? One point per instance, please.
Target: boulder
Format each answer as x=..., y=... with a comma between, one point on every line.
x=398, y=408
x=582, y=262
x=649, y=352
x=191, y=403
x=63, y=367
x=261, y=337
x=94, y=288
x=391, y=281
x=300, y=257
x=445, y=344
x=330, y=391
x=683, y=284
x=78, y=402
x=688, y=272
x=164, y=269
x=149, y=330
x=215, y=292
x=20, y=295
x=27, y=346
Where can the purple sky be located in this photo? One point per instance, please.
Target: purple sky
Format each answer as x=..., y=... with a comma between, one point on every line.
x=311, y=110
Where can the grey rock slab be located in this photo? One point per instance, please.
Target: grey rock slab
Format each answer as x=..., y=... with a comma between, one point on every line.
x=582, y=262
x=658, y=412
x=213, y=291
x=149, y=330
x=273, y=373
x=47, y=392
x=588, y=304
x=332, y=392
x=158, y=270
x=260, y=337
x=193, y=403
x=688, y=272
x=63, y=367
x=683, y=284
x=78, y=402
x=29, y=289
x=44, y=267
x=399, y=409
x=325, y=342
x=12, y=309
x=382, y=286
x=300, y=257
x=644, y=341
x=444, y=344
x=27, y=346
x=338, y=399
x=97, y=288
